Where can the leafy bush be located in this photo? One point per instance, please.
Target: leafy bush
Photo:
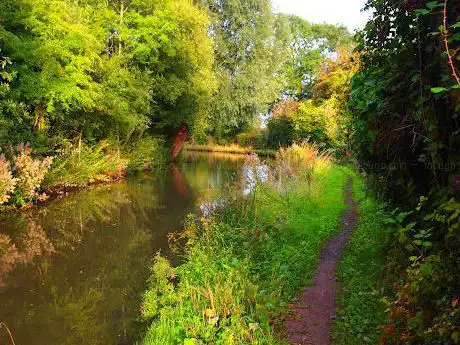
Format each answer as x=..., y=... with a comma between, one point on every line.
x=324, y=118
x=281, y=125
x=298, y=121
x=147, y=153
x=7, y=181
x=29, y=172
x=310, y=123
x=424, y=308
x=405, y=104
x=256, y=139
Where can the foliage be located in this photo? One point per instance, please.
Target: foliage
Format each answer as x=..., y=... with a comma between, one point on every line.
x=424, y=309
x=12, y=127
x=147, y=153
x=169, y=39
x=405, y=106
x=331, y=93
x=78, y=166
x=310, y=123
x=243, y=264
x=281, y=126
x=396, y=117
x=7, y=181
x=96, y=69
x=324, y=118
x=310, y=46
x=29, y=172
x=249, y=45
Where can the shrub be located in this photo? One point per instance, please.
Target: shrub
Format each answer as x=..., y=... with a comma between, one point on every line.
x=147, y=153
x=30, y=172
x=310, y=123
x=7, y=181
x=281, y=125
x=299, y=121
x=255, y=139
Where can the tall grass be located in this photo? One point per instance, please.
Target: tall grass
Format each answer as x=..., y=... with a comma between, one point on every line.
x=245, y=263
x=85, y=165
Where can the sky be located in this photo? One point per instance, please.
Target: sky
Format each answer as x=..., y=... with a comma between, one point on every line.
x=346, y=12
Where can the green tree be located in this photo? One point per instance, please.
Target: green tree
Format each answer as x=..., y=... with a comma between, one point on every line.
x=93, y=69
x=249, y=44
x=310, y=46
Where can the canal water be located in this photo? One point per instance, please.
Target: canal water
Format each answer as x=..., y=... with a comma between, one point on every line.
x=73, y=272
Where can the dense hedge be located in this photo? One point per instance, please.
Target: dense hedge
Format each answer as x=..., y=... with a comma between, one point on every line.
x=405, y=103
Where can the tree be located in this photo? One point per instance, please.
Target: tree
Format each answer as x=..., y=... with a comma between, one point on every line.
x=310, y=45
x=250, y=52
x=13, y=123
x=92, y=69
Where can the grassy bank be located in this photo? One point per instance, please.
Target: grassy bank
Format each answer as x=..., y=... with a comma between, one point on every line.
x=243, y=265
x=361, y=309
x=27, y=177
x=233, y=148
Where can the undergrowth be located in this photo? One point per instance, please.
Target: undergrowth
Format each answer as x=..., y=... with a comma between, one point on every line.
x=84, y=165
x=245, y=263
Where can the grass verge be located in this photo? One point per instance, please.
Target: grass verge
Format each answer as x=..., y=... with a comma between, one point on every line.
x=244, y=265
x=361, y=308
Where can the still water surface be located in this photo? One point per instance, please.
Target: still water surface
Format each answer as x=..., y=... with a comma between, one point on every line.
x=73, y=272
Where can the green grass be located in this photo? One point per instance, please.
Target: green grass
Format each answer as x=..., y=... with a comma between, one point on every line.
x=85, y=166
x=361, y=309
x=243, y=266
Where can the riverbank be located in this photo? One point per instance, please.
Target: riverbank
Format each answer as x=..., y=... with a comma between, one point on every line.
x=28, y=179
x=85, y=259
x=243, y=265
x=235, y=149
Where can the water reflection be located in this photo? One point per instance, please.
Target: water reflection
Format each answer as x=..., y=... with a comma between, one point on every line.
x=73, y=272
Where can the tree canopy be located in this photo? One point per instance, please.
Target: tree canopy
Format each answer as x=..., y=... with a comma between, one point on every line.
x=95, y=69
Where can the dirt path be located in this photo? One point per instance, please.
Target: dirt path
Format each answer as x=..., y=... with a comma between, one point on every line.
x=314, y=309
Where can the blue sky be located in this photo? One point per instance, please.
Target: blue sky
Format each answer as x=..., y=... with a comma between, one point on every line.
x=347, y=12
